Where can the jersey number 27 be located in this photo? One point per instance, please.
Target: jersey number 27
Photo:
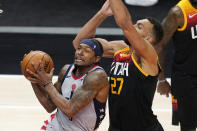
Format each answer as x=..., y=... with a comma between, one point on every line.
x=116, y=85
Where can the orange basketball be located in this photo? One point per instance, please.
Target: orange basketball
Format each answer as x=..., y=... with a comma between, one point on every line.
x=35, y=57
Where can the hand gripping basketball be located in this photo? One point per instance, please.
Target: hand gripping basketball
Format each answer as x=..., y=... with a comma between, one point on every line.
x=38, y=58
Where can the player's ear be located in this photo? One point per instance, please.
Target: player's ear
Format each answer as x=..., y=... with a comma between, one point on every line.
x=98, y=58
x=149, y=39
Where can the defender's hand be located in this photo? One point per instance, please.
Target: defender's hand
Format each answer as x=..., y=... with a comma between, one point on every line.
x=164, y=88
x=106, y=10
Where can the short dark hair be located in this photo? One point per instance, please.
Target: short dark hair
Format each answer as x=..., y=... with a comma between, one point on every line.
x=157, y=29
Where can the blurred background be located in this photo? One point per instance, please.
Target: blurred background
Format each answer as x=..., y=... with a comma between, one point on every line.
x=51, y=25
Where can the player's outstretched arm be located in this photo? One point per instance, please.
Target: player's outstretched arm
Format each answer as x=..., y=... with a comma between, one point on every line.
x=89, y=29
x=93, y=83
x=123, y=19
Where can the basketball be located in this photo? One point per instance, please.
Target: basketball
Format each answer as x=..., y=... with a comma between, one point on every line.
x=35, y=57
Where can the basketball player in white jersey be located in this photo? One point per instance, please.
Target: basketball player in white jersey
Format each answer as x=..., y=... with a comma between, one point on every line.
x=80, y=93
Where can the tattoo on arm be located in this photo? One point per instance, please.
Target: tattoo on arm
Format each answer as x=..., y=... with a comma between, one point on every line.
x=81, y=98
x=93, y=83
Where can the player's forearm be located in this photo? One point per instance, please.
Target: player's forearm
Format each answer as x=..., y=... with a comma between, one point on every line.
x=89, y=29
x=120, y=12
x=162, y=55
x=44, y=99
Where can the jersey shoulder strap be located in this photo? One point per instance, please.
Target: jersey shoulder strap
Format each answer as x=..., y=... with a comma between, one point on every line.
x=67, y=71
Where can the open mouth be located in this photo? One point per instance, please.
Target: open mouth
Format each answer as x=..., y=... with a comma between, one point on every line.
x=78, y=60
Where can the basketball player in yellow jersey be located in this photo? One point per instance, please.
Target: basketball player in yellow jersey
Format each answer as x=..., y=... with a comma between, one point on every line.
x=181, y=24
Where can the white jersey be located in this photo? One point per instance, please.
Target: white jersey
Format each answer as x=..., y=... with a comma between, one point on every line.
x=88, y=118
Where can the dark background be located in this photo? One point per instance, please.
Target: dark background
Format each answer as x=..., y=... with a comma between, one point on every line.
x=59, y=13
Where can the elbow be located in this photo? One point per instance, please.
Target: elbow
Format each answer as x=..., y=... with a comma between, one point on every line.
x=69, y=110
x=50, y=110
x=69, y=113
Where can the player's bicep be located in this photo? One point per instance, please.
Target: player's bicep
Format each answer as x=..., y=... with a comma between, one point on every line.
x=81, y=98
x=93, y=83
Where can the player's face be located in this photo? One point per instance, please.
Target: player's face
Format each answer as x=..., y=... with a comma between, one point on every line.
x=85, y=56
x=144, y=27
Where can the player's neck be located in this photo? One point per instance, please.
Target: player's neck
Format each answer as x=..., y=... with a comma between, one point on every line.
x=81, y=70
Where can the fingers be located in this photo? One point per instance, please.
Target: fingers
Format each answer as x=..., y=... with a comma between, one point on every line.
x=32, y=73
x=39, y=67
x=52, y=71
x=33, y=80
x=34, y=66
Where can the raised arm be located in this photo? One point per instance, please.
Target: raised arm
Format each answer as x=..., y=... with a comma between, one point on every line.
x=171, y=22
x=89, y=29
x=123, y=19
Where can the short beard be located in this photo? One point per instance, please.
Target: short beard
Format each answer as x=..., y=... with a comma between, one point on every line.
x=81, y=66
x=76, y=66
